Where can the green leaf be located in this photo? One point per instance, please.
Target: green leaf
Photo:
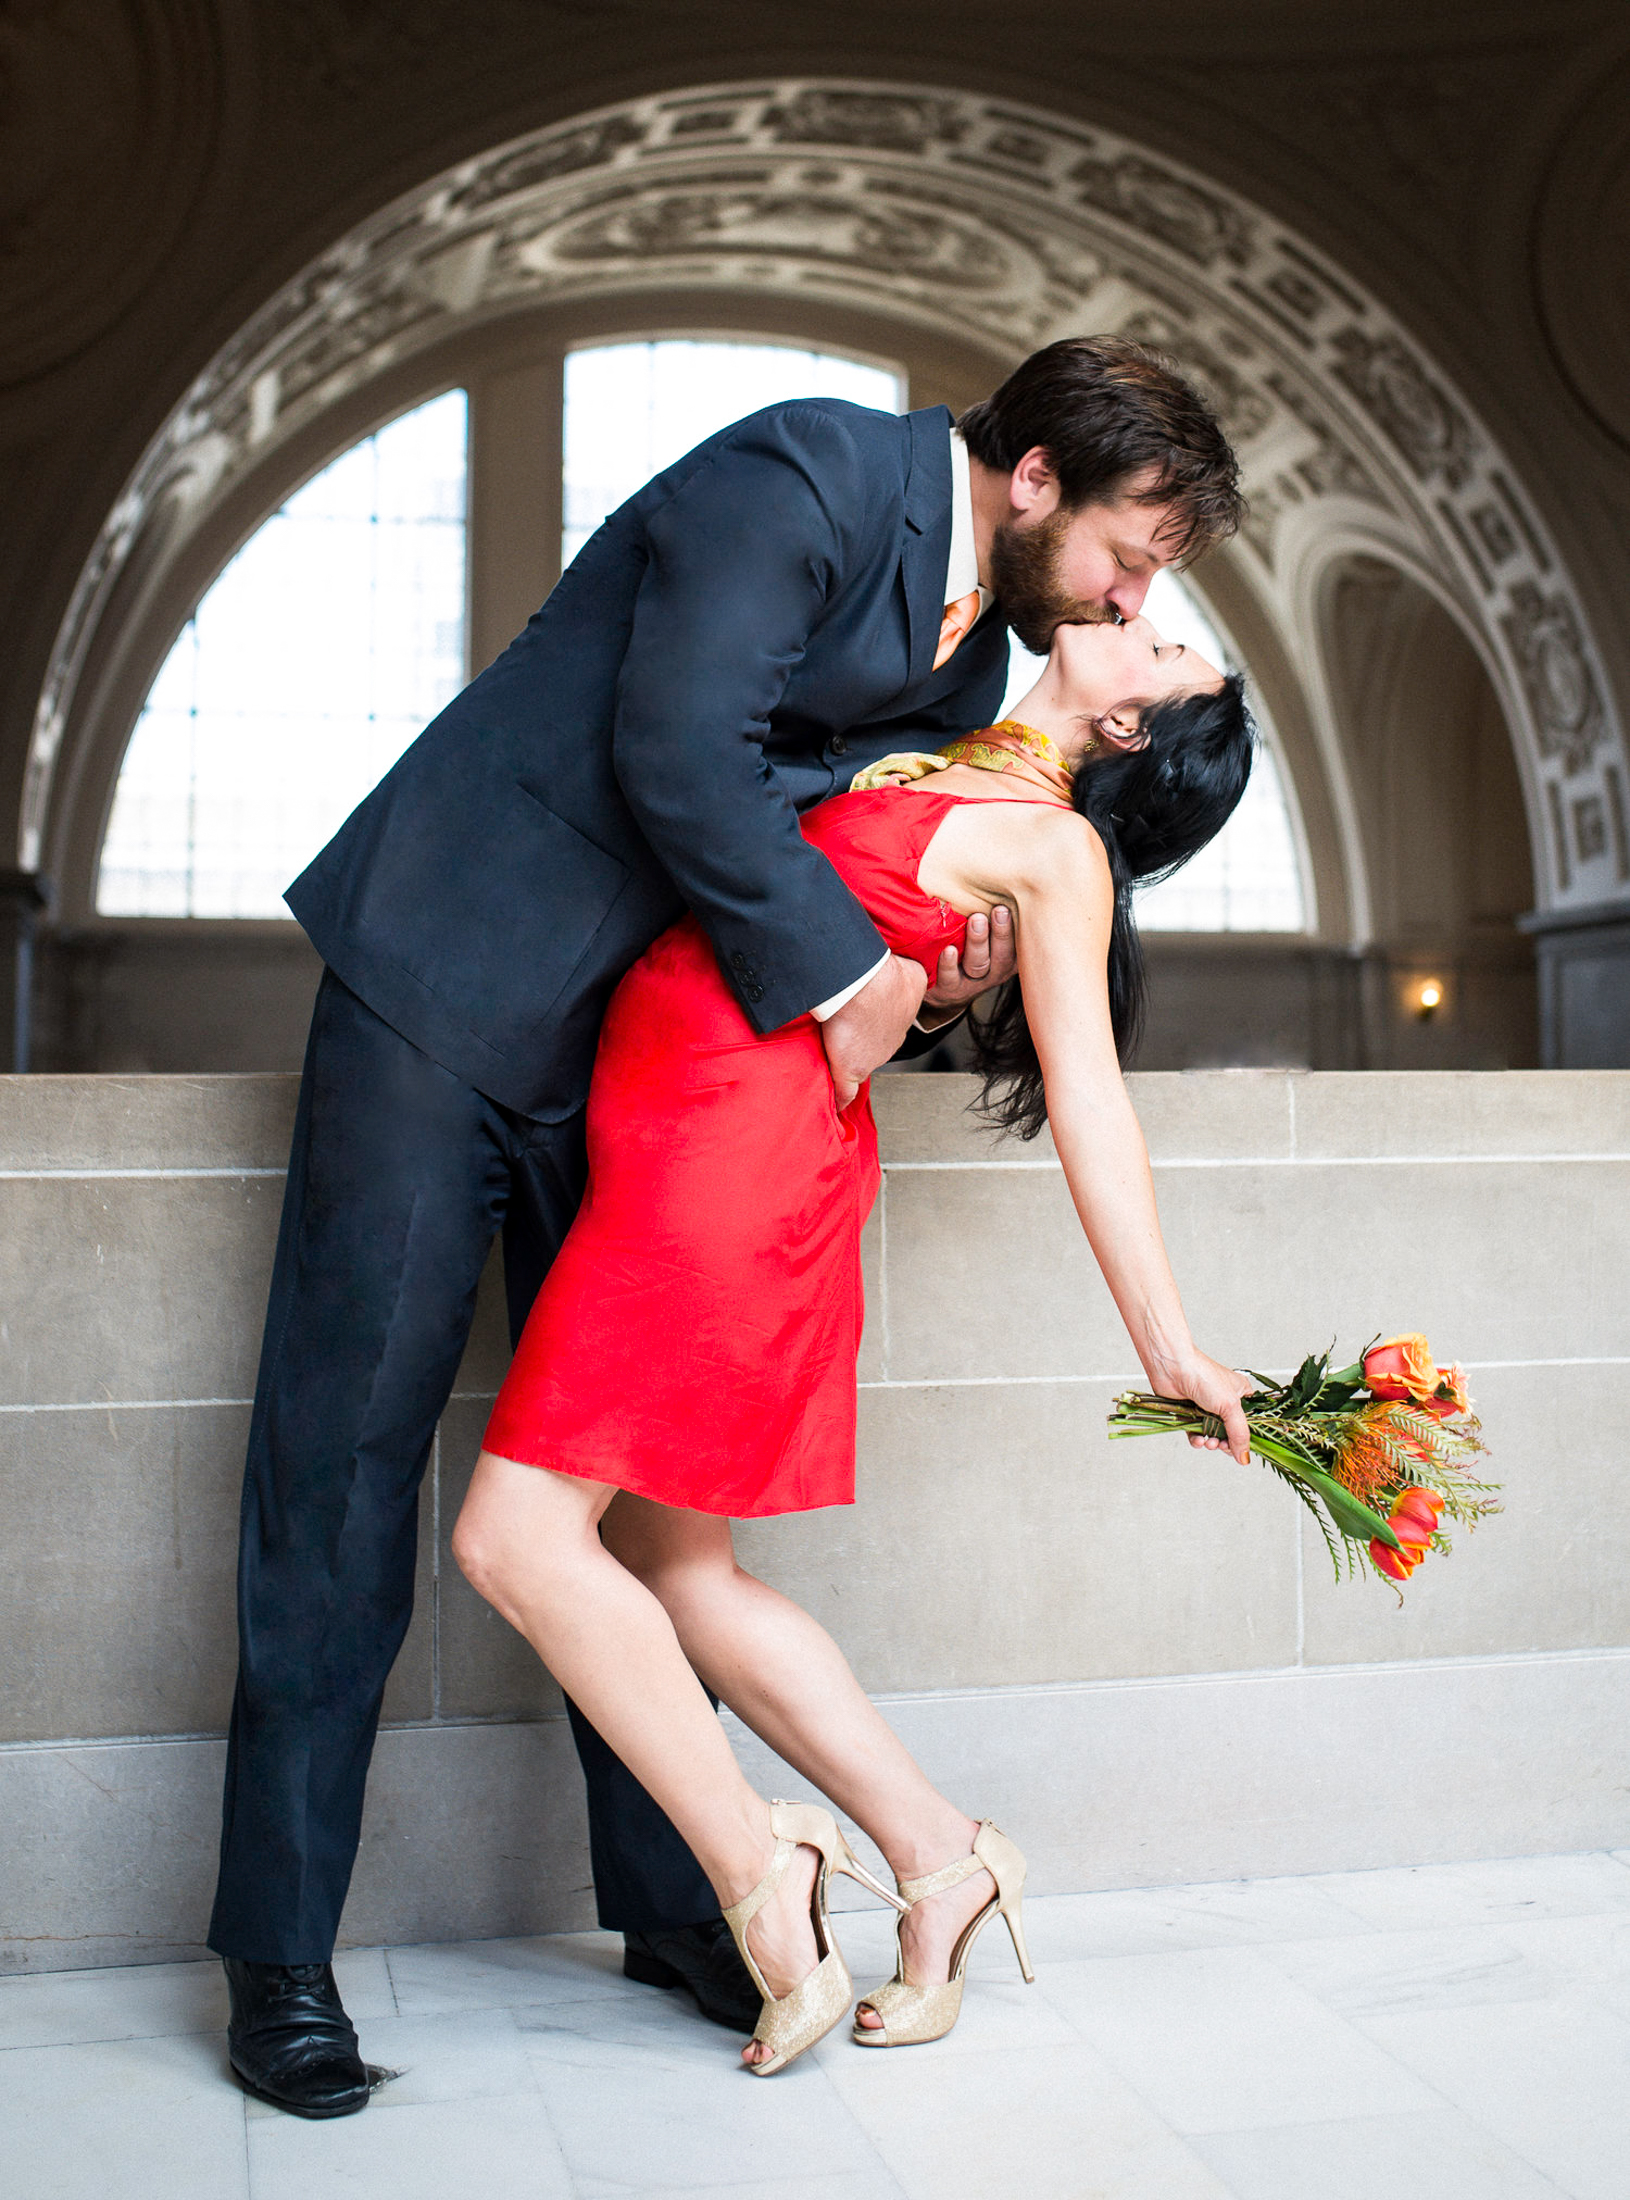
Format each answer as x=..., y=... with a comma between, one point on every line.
x=1350, y=1516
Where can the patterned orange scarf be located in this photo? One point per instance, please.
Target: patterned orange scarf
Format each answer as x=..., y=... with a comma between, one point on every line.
x=1007, y=746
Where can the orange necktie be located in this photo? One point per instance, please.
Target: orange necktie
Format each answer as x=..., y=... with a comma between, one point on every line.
x=959, y=616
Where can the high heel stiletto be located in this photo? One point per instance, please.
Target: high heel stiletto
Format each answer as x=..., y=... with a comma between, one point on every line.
x=913, y=2014
x=823, y=1999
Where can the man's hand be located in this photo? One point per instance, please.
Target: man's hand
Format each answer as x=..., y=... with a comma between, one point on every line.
x=990, y=956
x=872, y=1026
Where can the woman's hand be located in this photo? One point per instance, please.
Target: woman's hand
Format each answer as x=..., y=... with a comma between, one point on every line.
x=1219, y=1390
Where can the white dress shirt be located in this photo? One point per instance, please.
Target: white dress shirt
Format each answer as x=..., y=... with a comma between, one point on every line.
x=961, y=575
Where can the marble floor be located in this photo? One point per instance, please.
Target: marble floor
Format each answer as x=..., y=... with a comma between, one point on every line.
x=1455, y=2032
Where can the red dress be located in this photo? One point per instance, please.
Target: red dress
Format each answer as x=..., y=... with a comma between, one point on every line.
x=695, y=1339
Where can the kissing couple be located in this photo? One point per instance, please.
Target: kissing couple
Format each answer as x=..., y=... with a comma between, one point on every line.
x=610, y=955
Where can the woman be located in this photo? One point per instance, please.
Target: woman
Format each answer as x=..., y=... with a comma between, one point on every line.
x=692, y=1354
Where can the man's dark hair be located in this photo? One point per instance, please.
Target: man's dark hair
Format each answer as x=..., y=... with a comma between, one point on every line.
x=1106, y=411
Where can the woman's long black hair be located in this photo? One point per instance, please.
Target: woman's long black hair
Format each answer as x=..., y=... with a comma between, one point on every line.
x=1152, y=807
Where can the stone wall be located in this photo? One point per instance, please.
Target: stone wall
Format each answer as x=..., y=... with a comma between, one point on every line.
x=1134, y=1656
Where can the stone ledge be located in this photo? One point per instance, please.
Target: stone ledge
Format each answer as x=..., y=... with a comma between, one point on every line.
x=476, y=1831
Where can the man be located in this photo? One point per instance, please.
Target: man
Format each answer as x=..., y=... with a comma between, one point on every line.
x=803, y=593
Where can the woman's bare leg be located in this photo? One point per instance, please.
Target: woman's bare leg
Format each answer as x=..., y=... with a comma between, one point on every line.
x=781, y=1673
x=527, y=1539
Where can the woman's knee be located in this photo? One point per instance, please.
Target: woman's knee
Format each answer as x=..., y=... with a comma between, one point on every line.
x=516, y=1529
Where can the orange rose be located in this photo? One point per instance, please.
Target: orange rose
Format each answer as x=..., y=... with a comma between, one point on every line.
x=1401, y=1367
x=1450, y=1396
x=1414, y=1521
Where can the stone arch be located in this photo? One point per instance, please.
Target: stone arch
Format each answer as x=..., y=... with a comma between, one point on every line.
x=990, y=228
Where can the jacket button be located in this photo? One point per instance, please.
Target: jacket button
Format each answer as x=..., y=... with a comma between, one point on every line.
x=738, y=960
x=755, y=992
x=840, y=746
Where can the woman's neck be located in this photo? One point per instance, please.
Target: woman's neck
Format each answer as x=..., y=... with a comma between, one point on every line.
x=1043, y=711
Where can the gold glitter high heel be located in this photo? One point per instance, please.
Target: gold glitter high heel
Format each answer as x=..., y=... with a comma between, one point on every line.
x=914, y=2014
x=823, y=1999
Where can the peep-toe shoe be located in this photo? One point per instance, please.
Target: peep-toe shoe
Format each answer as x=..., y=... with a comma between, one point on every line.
x=797, y=2020
x=914, y=2014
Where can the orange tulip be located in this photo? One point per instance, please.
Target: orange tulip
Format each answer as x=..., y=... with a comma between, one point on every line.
x=1450, y=1396
x=1414, y=1521
x=1401, y=1367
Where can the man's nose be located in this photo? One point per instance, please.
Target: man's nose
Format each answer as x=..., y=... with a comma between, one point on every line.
x=1127, y=597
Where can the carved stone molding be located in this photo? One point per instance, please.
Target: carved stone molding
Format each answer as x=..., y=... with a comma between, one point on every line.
x=935, y=207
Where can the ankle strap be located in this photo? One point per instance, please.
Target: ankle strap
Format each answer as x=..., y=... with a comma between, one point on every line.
x=932, y=1883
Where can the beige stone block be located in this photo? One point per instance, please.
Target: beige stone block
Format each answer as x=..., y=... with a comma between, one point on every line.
x=870, y=1365
x=1547, y=1573
x=134, y=1288
x=1000, y=1538
x=118, y=1574
x=1215, y=1115
x=927, y=1118
x=486, y=1669
x=1245, y=1776
x=988, y=1274
x=1493, y=1260
x=1436, y=1112
x=471, y=1833
x=118, y=1553
x=147, y=1122
x=468, y=1832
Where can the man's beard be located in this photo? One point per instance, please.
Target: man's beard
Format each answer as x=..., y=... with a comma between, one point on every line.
x=1024, y=570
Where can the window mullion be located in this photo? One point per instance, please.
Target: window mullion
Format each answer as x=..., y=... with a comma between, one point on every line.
x=515, y=501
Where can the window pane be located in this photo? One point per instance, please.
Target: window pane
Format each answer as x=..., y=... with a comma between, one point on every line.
x=315, y=658
x=1249, y=879
x=632, y=409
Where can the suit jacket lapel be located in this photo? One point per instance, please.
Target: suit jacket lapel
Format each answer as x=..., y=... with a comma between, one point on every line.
x=925, y=549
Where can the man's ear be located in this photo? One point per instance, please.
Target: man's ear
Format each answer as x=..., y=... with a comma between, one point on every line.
x=1033, y=486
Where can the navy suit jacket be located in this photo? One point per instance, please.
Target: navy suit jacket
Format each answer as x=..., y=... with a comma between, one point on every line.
x=745, y=633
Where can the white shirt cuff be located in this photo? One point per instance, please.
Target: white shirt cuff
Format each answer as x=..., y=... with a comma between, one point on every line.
x=823, y=1009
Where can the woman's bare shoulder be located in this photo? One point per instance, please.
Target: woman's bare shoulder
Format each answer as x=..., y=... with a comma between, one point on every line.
x=988, y=851
x=1049, y=844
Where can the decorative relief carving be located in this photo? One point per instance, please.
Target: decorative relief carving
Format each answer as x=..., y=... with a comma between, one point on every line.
x=1200, y=224
x=895, y=122
x=1543, y=631
x=1241, y=403
x=803, y=224
x=929, y=205
x=1590, y=827
x=1409, y=406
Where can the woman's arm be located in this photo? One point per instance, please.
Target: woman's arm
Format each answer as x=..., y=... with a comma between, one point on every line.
x=1052, y=868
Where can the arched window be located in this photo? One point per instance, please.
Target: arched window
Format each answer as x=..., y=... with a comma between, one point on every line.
x=632, y=409
x=312, y=661
x=1250, y=878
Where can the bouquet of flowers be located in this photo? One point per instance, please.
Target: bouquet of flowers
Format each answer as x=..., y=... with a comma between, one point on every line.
x=1380, y=1452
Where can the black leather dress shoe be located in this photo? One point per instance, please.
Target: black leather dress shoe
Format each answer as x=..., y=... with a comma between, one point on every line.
x=701, y=1958
x=290, y=2040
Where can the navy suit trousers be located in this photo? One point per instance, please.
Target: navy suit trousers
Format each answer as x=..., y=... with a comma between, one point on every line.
x=399, y=1177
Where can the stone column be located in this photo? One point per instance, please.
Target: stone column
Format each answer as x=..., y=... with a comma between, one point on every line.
x=22, y=897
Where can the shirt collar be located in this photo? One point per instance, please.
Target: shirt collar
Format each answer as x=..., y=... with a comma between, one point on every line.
x=962, y=570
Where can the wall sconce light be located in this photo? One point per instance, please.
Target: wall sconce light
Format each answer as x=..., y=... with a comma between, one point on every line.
x=1426, y=997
